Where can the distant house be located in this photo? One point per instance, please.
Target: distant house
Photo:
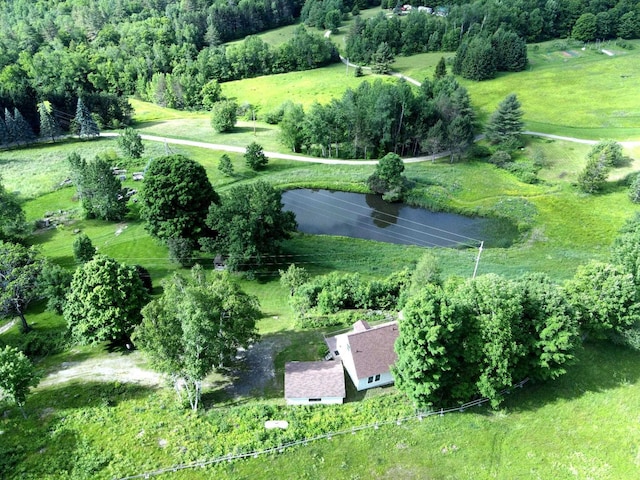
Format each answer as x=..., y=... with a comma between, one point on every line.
x=367, y=353
x=307, y=383
x=219, y=263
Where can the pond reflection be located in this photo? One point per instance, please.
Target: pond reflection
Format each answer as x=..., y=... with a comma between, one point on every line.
x=368, y=216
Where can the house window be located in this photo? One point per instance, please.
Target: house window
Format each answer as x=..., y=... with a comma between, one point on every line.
x=315, y=400
x=370, y=380
x=377, y=377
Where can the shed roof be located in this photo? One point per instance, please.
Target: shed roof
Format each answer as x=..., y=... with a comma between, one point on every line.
x=314, y=380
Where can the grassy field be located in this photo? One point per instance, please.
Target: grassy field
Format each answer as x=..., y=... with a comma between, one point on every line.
x=565, y=91
x=581, y=426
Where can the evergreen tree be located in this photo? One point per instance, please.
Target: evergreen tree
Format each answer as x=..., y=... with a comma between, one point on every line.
x=225, y=166
x=130, y=143
x=441, y=69
x=382, y=59
x=24, y=132
x=83, y=249
x=10, y=123
x=505, y=124
x=255, y=157
x=49, y=127
x=86, y=125
x=4, y=134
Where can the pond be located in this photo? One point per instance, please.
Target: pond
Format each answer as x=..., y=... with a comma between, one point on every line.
x=367, y=216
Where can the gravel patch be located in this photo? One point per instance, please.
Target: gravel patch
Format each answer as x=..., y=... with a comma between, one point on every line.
x=257, y=367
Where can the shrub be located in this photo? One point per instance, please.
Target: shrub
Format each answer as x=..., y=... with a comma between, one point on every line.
x=224, y=116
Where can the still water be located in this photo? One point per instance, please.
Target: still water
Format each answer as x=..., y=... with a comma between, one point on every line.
x=357, y=215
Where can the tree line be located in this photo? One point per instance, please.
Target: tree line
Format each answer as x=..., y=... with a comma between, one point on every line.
x=185, y=86
x=380, y=117
x=16, y=131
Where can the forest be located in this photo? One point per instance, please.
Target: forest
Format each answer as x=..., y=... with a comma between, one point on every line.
x=167, y=51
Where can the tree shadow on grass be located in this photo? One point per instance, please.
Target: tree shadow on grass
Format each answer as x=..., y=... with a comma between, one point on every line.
x=250, y=129
x=84, y=394
x=599, y=366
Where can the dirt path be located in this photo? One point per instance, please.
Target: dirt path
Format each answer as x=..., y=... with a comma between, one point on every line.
x=114, y=367
x=254, y=373
x=333, y=161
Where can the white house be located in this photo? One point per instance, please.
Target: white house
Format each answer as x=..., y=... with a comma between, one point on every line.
x=307, y=383
x=367, y=353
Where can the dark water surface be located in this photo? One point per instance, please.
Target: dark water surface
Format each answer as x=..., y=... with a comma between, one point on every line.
x=367, y=216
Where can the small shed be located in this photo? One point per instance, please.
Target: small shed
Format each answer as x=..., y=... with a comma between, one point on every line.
x=307, y=383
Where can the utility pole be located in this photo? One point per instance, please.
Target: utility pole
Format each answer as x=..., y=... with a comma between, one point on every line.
x=478, y=259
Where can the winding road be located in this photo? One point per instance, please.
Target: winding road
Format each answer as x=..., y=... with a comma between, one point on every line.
x=334, y=161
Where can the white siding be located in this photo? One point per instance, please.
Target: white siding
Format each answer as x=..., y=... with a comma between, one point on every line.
x=342, y=344
x=363, y=383
x=323, y=401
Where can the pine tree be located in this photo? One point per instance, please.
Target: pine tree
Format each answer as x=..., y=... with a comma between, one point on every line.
x=225, y=166
x=11, y=126
x=505, y=124
x=24, y=132
x=441, y=69
x=49, y=128
x=382, y=59
x=4, y=134
x=86, y=125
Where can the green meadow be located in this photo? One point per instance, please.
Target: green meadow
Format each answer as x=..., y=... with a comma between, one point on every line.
x=583, y=425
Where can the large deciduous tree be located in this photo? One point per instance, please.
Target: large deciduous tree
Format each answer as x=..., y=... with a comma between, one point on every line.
x=19, y=270
x=17, y=376
x=250, y=225
x=387, y=179
x=292, y=132
x=175, y=198
x=195, y=327
x=83, y=249
x=605, y=299
x=505, y=124
x=482, y=336
x=585, y=28
x=104, y=301
x=224, y=116
x=428, y=348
